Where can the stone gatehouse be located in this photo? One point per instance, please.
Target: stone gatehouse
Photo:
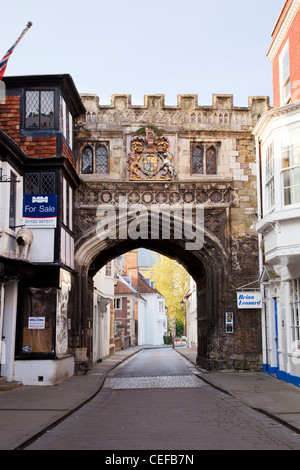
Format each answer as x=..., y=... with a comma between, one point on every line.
x=156, y=156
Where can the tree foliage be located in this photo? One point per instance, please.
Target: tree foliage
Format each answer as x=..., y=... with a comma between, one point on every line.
x=172, y=281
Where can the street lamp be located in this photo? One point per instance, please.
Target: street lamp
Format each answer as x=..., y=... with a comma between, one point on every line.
x=182, y=304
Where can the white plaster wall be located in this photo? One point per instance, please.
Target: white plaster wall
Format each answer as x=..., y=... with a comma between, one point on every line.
x=103, y=286
x=154, y=321
x=52, y=371
x=9, y=328
x=8, y=245
x=42, y=249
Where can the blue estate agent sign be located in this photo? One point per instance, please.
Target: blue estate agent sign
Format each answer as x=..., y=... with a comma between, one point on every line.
x=40, y=211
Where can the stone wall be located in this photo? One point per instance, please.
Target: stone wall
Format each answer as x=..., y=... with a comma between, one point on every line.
x=230, y=253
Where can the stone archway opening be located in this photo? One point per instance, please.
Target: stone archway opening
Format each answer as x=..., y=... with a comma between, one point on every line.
x=152, y=293
x=194, y=269
x=207, y=266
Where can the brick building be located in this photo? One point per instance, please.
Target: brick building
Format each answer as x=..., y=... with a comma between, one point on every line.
x=284, y=54
x=278, y=156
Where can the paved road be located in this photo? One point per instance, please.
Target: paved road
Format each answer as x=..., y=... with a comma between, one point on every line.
x=155, y=400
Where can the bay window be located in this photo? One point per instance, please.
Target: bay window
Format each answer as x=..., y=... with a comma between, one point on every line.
x=270, y=187
x=290, y=162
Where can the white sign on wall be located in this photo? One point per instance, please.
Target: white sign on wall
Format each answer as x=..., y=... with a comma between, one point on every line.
x=249, y=299
x=36, y=323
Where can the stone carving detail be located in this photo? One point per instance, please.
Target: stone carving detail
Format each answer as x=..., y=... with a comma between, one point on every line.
x=150, y=158
x=93, y=194
x=215, y=222
x=215, y=200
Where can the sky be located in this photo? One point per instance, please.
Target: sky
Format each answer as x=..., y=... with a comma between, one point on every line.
x=168, y=47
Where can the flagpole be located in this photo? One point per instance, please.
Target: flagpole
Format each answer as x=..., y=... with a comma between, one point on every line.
x=3, y=62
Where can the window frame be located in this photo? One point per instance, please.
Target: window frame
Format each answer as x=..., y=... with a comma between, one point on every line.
x=108, y=269
x=13, y=195
x=204, y=147
x=66, y=122
x=115, y=303
x=284, y=79
x=40, y=129
x=195, y=147
x=270, y=177
x=40, y=183
x=294, y=287
x=94, y=149
x=289, y=150
x=101, y=146
x=24, y=312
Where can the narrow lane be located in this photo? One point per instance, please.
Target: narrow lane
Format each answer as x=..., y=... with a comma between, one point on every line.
x=155, y=401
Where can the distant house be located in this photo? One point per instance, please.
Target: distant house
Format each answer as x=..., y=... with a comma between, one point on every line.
x=139, y=306
x=191, y=315
x=103, y=312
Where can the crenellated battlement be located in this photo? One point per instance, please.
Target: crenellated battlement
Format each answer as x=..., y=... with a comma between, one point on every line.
x=221, y=114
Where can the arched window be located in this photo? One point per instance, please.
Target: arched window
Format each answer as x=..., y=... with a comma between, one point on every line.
x=87, y=161
x=102, y=160
x=197, y=160
x=211, y=161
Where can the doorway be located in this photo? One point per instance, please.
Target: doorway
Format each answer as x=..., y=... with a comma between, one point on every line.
x=2, y=347
x=276, y=331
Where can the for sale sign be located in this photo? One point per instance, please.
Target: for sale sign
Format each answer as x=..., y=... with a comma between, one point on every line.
x=40, y=211
x=36, y=323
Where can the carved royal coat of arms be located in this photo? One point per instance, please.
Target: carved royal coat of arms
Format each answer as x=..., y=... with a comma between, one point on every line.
x=150, y=158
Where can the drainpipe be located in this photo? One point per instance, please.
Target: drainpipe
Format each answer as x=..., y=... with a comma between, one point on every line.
x=1, y=319
x=260, y=250
x=259, y=200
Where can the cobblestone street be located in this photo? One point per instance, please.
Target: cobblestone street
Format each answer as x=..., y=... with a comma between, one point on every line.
x=154, y=400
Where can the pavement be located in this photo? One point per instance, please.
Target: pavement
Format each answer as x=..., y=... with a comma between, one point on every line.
x=29, y=411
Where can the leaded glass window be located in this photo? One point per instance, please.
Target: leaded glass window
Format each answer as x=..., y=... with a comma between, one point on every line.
x=39, y=110
x=39, y=183
x=47, y=183
x=87, y=161
x=101, y=160
x=211, y=161
x=32, y=183
x=197, y=160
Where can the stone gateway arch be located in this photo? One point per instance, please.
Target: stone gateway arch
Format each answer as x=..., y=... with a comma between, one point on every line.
x=180, y=181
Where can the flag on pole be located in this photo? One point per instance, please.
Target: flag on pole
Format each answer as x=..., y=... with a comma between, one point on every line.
x=3, y=62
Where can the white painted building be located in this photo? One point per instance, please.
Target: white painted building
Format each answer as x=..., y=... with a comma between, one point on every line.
x=11, y=197
x=279, y=226
x=103, y=300
x=278, y=166
x=153, y=323
x=38, y=179
x=191, y=315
